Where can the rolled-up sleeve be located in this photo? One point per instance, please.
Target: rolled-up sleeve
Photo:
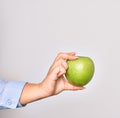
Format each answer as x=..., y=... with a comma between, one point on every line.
x=10, y=93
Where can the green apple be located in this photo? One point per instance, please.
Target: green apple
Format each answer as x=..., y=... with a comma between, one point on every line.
x=80, y=71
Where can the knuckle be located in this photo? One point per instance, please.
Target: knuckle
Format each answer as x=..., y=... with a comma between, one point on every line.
x=60, y=53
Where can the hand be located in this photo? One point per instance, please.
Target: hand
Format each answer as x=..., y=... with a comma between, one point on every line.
x=55, y=81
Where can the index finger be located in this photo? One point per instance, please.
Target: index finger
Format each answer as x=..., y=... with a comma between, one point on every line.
x=67, y=56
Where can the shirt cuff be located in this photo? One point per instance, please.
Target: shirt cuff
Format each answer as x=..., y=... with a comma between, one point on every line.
x=12, y=94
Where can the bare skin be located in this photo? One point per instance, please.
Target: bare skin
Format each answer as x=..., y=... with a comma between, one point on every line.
x=54, y=82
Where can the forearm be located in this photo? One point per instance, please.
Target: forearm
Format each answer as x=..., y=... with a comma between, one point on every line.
x=31, y=92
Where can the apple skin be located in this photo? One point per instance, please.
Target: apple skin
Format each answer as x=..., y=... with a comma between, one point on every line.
x=80, y=71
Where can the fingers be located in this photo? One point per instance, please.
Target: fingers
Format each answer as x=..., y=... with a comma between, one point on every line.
x=66, y=56
x=59, y=65
x=62, y=68
x=62, y=58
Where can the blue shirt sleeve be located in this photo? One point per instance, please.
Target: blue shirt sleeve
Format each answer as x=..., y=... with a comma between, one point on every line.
x=10, y=93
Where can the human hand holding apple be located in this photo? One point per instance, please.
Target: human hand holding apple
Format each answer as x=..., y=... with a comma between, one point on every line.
x=54, y=82
x=80, y=71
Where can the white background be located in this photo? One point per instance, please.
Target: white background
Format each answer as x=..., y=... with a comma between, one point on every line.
x=33, y=32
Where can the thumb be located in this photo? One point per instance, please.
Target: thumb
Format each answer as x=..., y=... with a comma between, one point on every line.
x=69, y=86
